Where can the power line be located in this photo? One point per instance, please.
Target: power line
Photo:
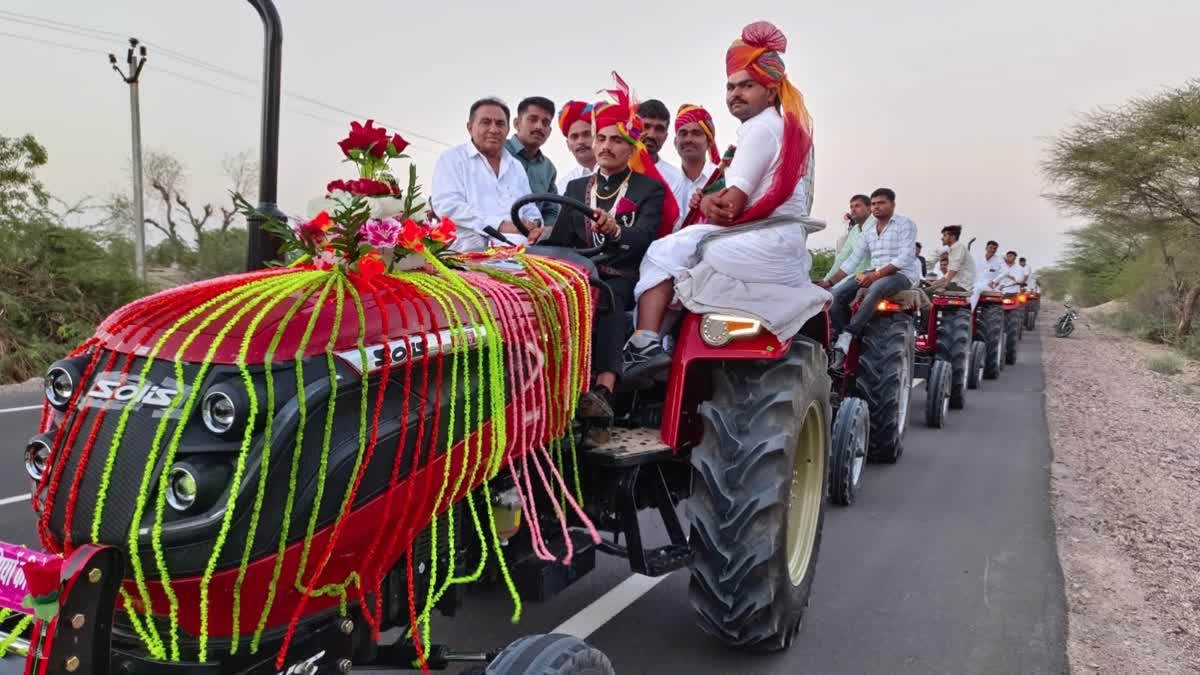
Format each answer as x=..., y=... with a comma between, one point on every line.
x=202, y=83
x=96, y=34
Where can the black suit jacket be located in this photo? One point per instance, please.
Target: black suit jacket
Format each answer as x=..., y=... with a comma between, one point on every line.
x=638, y=229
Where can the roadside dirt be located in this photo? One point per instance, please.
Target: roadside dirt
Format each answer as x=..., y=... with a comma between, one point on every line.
x=1126, y=492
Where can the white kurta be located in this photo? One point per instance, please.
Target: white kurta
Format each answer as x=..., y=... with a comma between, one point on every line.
x=577, y=171
x=466, y=190
x=680, y=187
x=757, y=269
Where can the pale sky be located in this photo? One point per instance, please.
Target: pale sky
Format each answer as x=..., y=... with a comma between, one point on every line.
x=950, y=104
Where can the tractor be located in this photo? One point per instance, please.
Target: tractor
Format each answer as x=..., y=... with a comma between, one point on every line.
x=990, y=337
x=265, y=473
x=945, y=354
x=872, y=391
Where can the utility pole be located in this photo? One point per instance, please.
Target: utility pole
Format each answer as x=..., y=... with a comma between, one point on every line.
x=135, y=60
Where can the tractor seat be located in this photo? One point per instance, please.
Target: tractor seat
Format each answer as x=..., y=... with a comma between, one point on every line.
x=991, y=294
x=953, y=294
x=910, y=300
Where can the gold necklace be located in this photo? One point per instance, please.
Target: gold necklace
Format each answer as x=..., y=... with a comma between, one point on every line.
x=597, y=197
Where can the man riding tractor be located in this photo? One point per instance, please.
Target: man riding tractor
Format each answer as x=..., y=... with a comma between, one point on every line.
x=945, y=330
x=1008, y=282
x=875, y=345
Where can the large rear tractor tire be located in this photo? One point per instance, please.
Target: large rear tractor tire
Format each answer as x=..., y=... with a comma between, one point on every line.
x=758, y=502
x=978, y=363
x=937, y=394
x=884, y=381
x=553, y=654
x=1012, y=333
x=991, y=319
x=851, y=434
x=954, y=347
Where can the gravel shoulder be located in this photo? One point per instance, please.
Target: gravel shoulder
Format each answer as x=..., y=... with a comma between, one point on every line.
x=1125, y=485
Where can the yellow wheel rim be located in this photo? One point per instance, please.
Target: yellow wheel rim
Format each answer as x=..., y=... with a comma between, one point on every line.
x=807, y=493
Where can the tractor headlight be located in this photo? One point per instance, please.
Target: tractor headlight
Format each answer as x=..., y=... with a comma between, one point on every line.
x=60, y=383
x=181, y=487
x=219, y=411
x=718, y=330
x=196, y=484
x=37, y=457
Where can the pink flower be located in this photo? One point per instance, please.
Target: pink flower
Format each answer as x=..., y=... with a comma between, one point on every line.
x=625, y=207
x=382, y=233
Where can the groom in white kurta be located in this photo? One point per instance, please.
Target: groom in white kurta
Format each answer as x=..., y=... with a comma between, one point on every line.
x=751, y=258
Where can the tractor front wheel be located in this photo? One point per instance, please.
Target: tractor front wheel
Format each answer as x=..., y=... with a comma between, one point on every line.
x=758, y=502
x=553, y=654
x=937, y=394
x=978, y=364
x=851, y=434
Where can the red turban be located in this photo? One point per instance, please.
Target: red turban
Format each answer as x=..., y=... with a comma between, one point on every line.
x=623, y=115
x=694, y=114
x=572, y=112
x=758, y=52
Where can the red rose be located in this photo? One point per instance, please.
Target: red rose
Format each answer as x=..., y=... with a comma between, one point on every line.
x=368, y=139
x=364, y=187
x=43, y=578
x=399, y=144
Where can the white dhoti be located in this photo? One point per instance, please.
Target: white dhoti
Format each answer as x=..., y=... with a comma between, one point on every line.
x=760, y=270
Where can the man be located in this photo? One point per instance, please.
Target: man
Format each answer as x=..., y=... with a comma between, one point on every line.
x=575, y=122
x=859, y=218
x=656, y=120
x=989, y=265
x=1011, y=277
x=761, y=269
x=476, y=183
x=943, y=266
x=959, y=271
x=1028, y=270
x=921, y=259
x=696, y=143
x=532, y=128
x=891, y=248
x=627, y=212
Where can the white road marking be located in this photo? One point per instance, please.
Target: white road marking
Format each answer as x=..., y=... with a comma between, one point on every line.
x=20, y=409
x=13, y=500
x=607, y=606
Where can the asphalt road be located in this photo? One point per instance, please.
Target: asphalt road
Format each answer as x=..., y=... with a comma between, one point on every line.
x=947, y=563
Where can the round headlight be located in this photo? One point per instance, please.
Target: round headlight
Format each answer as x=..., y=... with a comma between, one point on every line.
x=37, y=458
x=60, y=385
x=219, y=412
x=181, y=488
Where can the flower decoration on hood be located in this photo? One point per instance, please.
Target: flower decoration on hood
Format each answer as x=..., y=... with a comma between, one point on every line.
x=369, y=223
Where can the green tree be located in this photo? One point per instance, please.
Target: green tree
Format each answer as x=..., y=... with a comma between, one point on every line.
x=1134, y=173
x=20, y=191
x=822, y=261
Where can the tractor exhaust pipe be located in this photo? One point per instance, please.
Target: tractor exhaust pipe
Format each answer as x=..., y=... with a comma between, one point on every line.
x=264, y=247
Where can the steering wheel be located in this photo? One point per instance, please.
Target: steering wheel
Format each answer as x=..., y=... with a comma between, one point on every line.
x=515, y=216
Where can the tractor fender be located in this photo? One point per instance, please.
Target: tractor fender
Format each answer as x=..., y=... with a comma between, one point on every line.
x=689, y=384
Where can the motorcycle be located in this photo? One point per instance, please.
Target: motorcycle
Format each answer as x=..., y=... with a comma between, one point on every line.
x=1066, y=323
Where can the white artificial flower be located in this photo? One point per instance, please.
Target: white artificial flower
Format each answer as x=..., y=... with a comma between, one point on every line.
x=386, y=207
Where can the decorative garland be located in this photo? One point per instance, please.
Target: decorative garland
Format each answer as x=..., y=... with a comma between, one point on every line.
x=505, y=341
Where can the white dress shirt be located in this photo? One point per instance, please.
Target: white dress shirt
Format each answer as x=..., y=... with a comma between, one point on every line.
x=895, y=246
x=466, y=190
x=693, y=186
x=759, y=142
x=1010, y=278
x=577, y=171
x=679, y=184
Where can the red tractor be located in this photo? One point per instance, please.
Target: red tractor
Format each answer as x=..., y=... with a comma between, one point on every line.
x=990, y=333
x=945, y=354
x=872, y=393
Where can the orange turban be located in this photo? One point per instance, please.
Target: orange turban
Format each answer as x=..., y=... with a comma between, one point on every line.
x=758, y=51
x=694, y=114
x=572, y=112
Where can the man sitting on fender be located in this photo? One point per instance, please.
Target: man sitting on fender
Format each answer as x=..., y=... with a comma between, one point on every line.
x=892, y=247
x=750, y=257
x=627, y=208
